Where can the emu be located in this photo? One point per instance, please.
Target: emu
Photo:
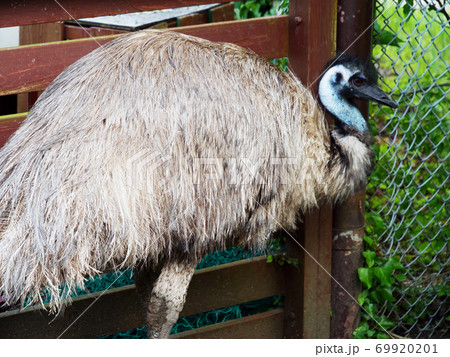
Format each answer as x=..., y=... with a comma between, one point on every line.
x=112, y=166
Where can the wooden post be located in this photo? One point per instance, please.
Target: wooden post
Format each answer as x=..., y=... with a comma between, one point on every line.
x=312, y=34
x=354, y=35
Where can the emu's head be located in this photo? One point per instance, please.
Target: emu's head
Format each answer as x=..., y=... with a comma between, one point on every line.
x=345, y=79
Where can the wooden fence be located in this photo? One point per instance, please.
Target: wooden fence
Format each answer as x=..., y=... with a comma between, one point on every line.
x=119, y=309
x=308, y=37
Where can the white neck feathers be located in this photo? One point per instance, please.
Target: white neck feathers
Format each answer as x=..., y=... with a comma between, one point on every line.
x=359, y=160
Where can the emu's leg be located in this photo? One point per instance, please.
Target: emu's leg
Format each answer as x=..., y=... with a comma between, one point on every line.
x=163, y=292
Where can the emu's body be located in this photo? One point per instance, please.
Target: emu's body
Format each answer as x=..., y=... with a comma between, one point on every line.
x=110, y=169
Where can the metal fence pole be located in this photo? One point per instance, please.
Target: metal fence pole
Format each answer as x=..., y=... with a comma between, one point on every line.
x=354, y=35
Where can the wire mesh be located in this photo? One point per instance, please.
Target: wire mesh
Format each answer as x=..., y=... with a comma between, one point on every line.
x=408, y=192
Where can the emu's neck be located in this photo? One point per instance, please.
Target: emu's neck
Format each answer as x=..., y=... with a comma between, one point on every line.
x=351, y=162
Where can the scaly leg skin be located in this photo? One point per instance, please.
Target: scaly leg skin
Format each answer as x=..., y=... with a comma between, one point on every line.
x=165, y=301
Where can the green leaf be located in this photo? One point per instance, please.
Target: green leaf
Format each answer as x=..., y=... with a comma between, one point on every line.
x=269, y=258
x=400, y=277
x=438, y=244
x=362, y=297
x=382, y=275
x=424, y=247
x=369, y=241
x=387, y=38
x=361, y=331
x=408, y=8
x=388, y=269
x=382, y=335
x=376, y=296
x=365, y=275
x=386, y=293
x=395, y=262
x=371, y=310
x=378, y=223
x=370, y=256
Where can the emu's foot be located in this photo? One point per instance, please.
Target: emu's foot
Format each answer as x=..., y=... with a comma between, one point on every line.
x=164, y=302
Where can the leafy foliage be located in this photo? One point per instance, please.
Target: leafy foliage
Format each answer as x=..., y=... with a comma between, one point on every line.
x=253, y=8
x=278, y=254
x=283, y=7
x=378, y=278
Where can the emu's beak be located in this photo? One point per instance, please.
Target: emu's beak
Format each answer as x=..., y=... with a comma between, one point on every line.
x=372, y=92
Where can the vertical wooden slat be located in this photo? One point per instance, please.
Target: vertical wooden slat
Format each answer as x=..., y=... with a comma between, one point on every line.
x=220, y=13
x=40, y=33
x=193, y=19
x=312, y=30
x=354, y=35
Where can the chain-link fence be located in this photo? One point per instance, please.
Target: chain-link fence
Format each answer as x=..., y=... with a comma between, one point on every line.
x=408, y=192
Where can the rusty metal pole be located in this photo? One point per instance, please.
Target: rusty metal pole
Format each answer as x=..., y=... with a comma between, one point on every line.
x=354, y=34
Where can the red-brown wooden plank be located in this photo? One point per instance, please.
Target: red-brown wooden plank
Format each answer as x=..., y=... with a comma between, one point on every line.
x=31, y=68
x=23, y=12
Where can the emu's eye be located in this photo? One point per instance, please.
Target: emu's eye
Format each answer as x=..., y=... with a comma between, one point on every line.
x=358, y=82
